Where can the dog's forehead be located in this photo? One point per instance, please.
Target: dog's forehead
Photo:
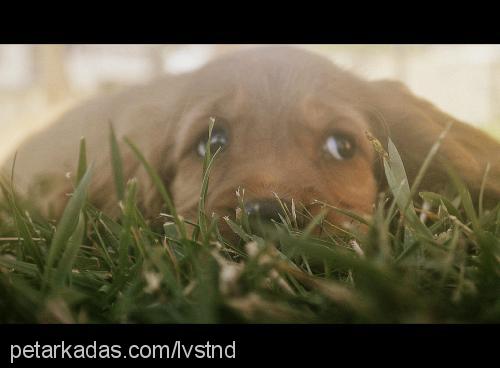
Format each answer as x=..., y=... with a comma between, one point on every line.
x=266, y=70
x=263, y=89
x=272, y=77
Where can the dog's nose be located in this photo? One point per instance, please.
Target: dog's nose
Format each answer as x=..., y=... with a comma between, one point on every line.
x=264, y=210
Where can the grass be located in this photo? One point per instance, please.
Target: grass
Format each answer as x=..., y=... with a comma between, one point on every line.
x=425, y=258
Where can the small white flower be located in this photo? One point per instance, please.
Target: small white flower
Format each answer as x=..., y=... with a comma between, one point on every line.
x=153, y=282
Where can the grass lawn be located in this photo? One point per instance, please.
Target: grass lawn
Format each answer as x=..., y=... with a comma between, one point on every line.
x=433, y=259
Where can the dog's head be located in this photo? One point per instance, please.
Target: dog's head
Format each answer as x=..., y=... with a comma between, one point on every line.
x=291, y=123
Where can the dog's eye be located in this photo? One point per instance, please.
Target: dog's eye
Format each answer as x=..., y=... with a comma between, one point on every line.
x=340, y=146
x=217, y=140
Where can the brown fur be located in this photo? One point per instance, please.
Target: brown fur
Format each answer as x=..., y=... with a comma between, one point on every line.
x=279, y=104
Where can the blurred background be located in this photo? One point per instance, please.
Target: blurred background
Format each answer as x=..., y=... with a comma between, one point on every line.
x=39, y=82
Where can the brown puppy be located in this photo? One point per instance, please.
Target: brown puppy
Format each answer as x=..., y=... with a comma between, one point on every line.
x=289, y=122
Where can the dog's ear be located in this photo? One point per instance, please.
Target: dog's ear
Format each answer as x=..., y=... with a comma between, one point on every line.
x=150, y=125
x=154, y=139
x=414, y=125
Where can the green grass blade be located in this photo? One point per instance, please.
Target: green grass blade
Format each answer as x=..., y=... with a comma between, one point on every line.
x=437, y=199
x=204, y=188
x=158, y=183
x=22, y=229
x=208, y=161
x=481, y=191
x=428, y=159
x=467, y=203
x=399, y=186
x=237, y=229
x=345, y=212
x=116, y=164
x=65, y=265
x=125, y=235
x=82, y=161
x=67, y=223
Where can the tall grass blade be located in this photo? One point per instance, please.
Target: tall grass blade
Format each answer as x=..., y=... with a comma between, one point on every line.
x=67, y=224
x=65, y=265
x=82, y=161
x=398, y=183
x=158, y=183
x=23, y=231
x=116, y=164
